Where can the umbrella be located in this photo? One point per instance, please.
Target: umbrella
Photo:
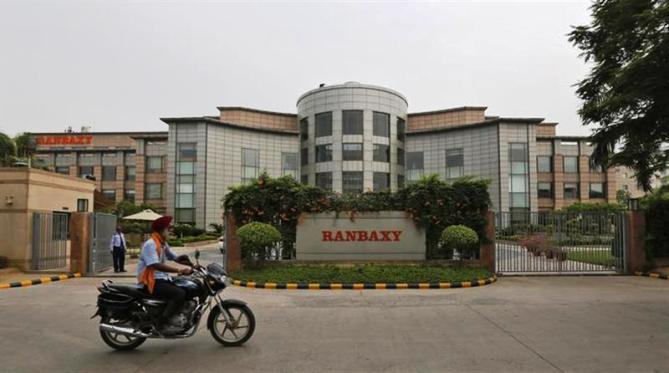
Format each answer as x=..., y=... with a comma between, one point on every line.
x=148, y=215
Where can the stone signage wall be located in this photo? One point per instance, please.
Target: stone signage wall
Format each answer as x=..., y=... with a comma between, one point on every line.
x=386, y=235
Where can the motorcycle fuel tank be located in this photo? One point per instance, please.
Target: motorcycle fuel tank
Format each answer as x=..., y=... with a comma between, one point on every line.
x=192, y=288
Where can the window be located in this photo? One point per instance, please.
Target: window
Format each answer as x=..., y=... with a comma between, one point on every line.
x=594, y=168
x=381, y=123
x=381, y=153
x=186, y=216
x=323, y=153
x=381, y=181
x=545, y=190
x=187, y=152
x=108, y=173
x=414, y=166
x=519, y=197
x=351, y=151
x=154, y=164
x=86, y=170
x=289, y=164
x=571, y=190
x=63, y=160
x=129, y=195
x=304, y=179
x=304, y=129
x=89, y=159
x=400, y=156
x=130, y=173
x=352, y=181
x=570, y=164
x=153, y=191
x=597, y=190
x=401, y=129
x=184, y=198
x=130, y=159
x=352, y=122
x=82, y=205
x=250, y=164
x=544, y=163
x=109, y=159
x=400, y=181
x=569, y=143
x=324, y=180
x=455, y=164
x=109, y=193
x=304, y=156
x=324, y=124
x=65, y=170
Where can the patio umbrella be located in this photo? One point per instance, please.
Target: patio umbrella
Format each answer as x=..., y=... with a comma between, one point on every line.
x=147, y=215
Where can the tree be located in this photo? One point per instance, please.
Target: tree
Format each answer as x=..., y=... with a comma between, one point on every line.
x=626, y=94
x=7, y=150
x=623, y=197
x=23, y=145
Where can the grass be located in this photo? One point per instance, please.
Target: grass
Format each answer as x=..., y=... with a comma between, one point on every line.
x=371, y=273
x=602, y=257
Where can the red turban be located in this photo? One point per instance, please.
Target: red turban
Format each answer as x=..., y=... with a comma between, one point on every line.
x=161, y=223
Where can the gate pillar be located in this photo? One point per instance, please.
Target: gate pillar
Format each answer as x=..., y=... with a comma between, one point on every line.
x=487, y=250
x=79, y=242
x=635, y=257
x=233, y=251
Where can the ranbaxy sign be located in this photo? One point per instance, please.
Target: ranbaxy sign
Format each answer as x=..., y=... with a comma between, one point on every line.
x=385, y=235
x=65, y=140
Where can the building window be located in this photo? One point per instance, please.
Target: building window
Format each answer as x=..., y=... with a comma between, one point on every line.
x=455, y=164
x=571, y=190
x=324, y=180
x=108, y=173
x=184, y=204
x=304, y=156
x=381, y=123
x=86, y=171
x=89, y=159
x=400, y=156
x=400, y=181
x=351, y=151
x=381, y=181
x=401, y=129
x=545, y=190
x=324, y=124
x=130, y=159
x=109, y=193
x=570, y=164
x=544, y=163
x=109, y=159
x=594, y=168
x=130, y=173
x=250, y=164
x=597, y=190
x=352, y=181
x=518, y=177
x=414, y=166
x=129, y=195
x=82, y=205
x=381, y=153
x=154, y=164
x=304, y=129
x=323, y=153
x=289, y=164
x=63, y=160
x=63, y=170
x=304, y=179
x=185, y=216
x=153, y=191
x=352, y=122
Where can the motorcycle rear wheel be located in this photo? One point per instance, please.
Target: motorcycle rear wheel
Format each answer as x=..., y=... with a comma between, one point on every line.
x=118, y=341
x=241, y=330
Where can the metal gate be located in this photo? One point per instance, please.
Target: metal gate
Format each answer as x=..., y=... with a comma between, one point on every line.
x=99, y=255
x=555, y=243
x=49, y=240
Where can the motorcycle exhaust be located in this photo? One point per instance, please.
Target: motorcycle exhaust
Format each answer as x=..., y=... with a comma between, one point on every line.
x=123, y=330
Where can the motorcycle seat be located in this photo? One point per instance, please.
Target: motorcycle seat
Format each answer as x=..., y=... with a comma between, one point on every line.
x=133, y=290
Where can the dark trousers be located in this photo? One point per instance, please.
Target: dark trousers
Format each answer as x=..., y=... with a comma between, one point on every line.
x=172, y=294
x=118, y=254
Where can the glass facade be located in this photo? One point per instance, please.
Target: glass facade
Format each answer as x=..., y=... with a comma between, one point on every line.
x=184, y=204
x=381, y=153
x=304, y=129
x=519, y=196
x=289, y=164
x=352, y=181
x=323, y=153
x=401, y=129
x=324, y=124
x=352, y=122
x=381, y=181
x=400, y=156
x=381, y=123
x=414, y=166
x=351, y=151
x=455, y=164
x=304, y=156
x=324, y=180
x=250, y=164
x=544, y=163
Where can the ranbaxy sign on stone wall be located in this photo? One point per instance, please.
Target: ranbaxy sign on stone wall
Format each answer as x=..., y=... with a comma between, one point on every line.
x=386, y=235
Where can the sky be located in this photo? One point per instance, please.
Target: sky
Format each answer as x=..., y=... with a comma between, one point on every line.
x=122, y=65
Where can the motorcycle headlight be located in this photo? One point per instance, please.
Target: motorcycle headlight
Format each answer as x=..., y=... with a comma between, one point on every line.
x=226, y=280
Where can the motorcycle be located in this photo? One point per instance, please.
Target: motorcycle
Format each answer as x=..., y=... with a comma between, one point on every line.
x=129, y=314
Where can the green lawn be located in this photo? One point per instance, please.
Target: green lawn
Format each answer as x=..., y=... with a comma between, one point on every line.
x=360, y=273
x=603, y=257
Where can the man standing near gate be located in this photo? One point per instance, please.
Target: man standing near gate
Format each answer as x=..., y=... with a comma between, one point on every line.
x=117, y=248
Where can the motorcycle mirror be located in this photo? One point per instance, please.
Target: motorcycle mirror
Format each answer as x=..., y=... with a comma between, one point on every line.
x=197, y=254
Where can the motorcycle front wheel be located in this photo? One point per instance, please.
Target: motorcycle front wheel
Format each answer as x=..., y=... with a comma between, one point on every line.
x=118, y=341
x=238, y=331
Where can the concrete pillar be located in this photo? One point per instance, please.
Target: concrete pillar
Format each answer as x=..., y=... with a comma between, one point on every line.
x=487, y=254
x=232, y=248
x=79, y=242
x=635, y=257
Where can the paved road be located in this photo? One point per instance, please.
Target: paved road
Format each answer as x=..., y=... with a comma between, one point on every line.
x=531, y=324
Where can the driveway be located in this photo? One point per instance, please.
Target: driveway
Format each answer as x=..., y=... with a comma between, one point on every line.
x=531, y=324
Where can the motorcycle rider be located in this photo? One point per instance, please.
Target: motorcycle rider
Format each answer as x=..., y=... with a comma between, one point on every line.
x=152, y=270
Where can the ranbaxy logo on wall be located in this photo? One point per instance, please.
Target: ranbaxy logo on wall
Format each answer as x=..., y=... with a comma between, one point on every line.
x=65, y=140
x=361, y=235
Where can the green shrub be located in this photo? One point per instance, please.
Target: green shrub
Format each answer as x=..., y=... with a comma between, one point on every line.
x=183, y=230
x=175, y=242
x=460, y=238
x=255, y=239
x=217, y=228
x=594, y=207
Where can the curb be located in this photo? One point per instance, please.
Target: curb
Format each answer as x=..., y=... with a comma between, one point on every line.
x=364, y=286
x=42, y=280
x=662, y=276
